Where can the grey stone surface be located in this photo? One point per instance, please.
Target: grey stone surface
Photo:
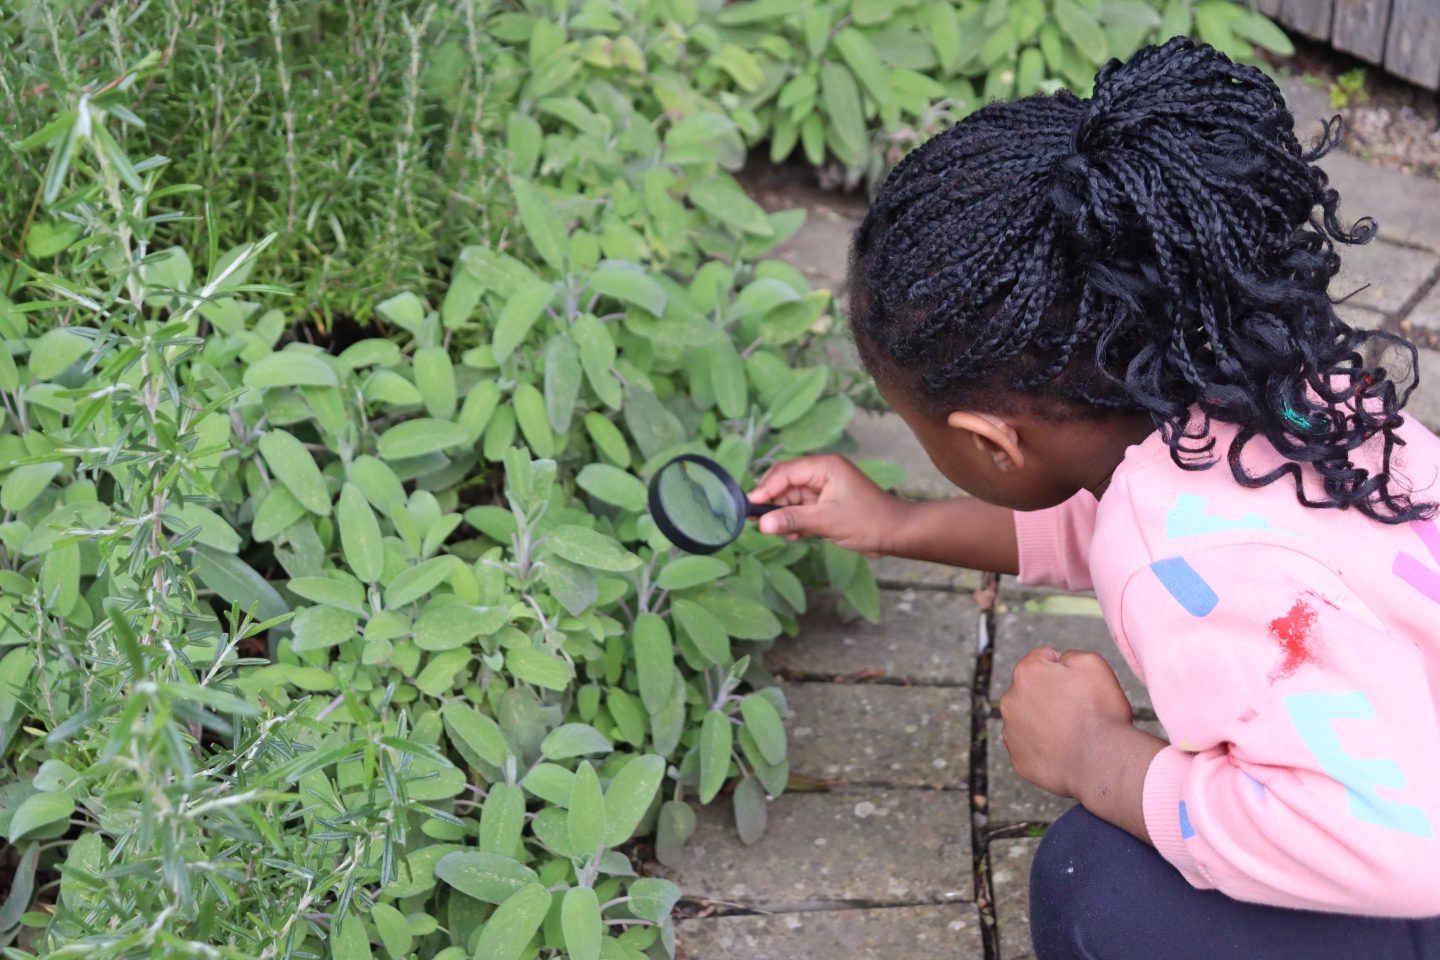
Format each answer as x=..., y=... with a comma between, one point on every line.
x=924, y=635
x=1017, y=633
x=880, y=733
x=1394, y=274
x=1010, y=862
x=1407, y=208
x=1424, y=403
x=948, y=932
x=1012, y=800
x=901, y=573
x=868, y=846
x=1426, y=314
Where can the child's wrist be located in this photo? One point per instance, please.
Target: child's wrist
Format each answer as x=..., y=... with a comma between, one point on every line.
x=895, y=526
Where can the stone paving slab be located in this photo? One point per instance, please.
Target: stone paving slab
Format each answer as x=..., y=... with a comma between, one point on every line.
x=880, y=733
x=1394, y=274
x=868, y=846
x=1426, y=315
x=1012, y=800
x=923, y=635
x=1016, y=634
x=1010, y=862
x=948, y=932
x=885, y=436
x=1424, y=403
x=900, y=573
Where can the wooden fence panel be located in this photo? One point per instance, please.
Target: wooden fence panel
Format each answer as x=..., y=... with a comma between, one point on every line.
x=1310, y=17
x=1412, y=49
x=1359, y=28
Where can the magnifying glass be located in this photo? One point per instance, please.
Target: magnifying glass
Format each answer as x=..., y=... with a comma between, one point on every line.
x=698, y=506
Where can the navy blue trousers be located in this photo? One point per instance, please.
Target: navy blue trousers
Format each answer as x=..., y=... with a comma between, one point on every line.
x=1097, y=893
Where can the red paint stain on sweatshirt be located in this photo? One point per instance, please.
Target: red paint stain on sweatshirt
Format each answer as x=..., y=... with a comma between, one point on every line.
x=1292, y=631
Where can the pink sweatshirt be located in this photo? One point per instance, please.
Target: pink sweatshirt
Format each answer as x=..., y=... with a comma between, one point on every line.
x=1293, y=657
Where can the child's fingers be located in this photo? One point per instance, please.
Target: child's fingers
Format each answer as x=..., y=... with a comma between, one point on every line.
x=811, y=473
x=794, y=522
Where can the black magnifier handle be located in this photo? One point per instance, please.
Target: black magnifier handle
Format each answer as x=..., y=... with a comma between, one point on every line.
x=760, y=509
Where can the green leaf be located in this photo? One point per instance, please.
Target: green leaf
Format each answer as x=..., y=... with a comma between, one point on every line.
x=684, y=572
x=518, y=316
x=675, y=825
x=574, y=586
x=608, y=439
x=943, y=29
x=235, y=581
x=704, y=630
x=484, y=876
x=49, y=237
x=864, y=594
x=39, y=810
x=435, y=376
x=56, y=350
x=841, y=97
x=764, y=723
x=820, y=426
x=722, y=198
x=738, y=615
x=394, y=930
x=439, y=674
x=727, y=379
x=597, y=356
x=612, y=485
x=551, y=783
x=574, y=740
x=630, y=284
x=25, y=483
x=405, y=310
x=716, y=738
x=742, y=66
x=534, y=420
x=631, y=792
x=421, y=436
x=654, y=660
x=586, y=817
x=350, y=941
x=538, y=668
x=563, y=375
x=456, y=624
x=1081, y=27
x=751, y=810
x=591, y=549
x=290, y=368
x=581, y=924
x=319, y=628
x=1255, y=27
x=293, y=466
x=652, y=898
x=475, y=735
x=542, y=224
x=412, y=583
x=360, y=534
x=60, y=577
x=509, y=931
x=502, y=819
x=858, y=52
x=798, y=397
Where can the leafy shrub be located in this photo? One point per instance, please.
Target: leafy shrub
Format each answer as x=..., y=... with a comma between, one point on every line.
x=315, y=636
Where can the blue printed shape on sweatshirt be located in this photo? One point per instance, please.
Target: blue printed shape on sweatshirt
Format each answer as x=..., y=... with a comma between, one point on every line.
x=1187, y=587
x=1186, y=829
x=1313, y=715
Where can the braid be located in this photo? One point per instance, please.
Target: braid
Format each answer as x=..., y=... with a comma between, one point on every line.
x=1156, y=248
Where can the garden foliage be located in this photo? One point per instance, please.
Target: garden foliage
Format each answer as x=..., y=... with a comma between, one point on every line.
x=334, y=624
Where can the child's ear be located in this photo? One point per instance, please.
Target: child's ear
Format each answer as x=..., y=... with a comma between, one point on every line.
x=993, y=436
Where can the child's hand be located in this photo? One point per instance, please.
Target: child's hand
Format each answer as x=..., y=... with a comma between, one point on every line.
x=827, y=496
x=1060, y=709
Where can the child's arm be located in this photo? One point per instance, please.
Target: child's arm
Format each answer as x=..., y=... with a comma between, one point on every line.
x=827, y=496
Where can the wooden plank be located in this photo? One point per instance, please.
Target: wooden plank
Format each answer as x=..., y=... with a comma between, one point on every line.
x=1359, y=28
x=1310, y=17
x=1412, y=49
x=1271, y=8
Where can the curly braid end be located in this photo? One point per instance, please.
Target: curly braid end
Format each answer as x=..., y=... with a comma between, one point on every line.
x=1165, y=246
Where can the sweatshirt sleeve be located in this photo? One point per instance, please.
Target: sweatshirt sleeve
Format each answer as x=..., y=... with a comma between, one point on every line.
x=1055, y=543
x=1304, y=765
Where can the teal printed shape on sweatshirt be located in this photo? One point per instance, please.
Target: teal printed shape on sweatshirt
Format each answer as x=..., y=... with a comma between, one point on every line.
x=1189, y=519
x=1187, y=830
x=1313, y=715
x=1187, y=587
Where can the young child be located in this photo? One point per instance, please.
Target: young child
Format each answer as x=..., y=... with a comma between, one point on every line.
x=1108, y=320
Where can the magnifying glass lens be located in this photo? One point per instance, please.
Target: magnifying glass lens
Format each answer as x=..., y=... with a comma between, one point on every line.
x=699, y=503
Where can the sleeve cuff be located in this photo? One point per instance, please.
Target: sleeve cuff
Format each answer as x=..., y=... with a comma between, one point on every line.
x=1166, y=818
x=1037, y=535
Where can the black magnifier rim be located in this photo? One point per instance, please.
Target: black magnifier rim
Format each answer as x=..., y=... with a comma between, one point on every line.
x=672, y=533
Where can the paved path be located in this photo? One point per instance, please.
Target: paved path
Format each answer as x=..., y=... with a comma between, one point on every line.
x=921, y=847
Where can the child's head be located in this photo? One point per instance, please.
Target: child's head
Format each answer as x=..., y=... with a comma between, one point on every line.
x=1125, y=259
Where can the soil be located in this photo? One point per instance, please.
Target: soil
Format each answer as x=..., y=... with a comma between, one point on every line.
x=1392, y=124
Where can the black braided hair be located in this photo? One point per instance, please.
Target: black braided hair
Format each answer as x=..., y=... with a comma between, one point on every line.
x=1153, y=249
